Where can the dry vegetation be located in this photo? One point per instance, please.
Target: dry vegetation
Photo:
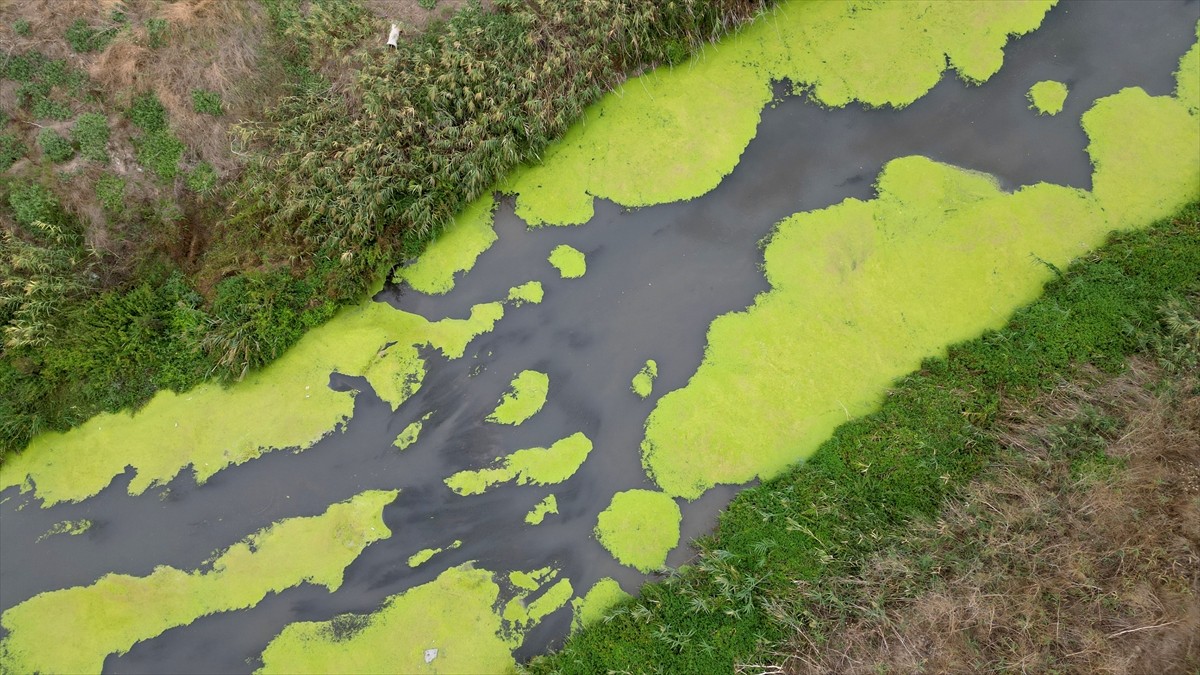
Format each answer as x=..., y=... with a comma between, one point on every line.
x=1079, y=551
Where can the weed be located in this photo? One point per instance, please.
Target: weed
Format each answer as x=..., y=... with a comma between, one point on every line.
x=11, y=150
x=160, y=152
x=110, y=191
x=147, y=113
x=48, y=109
x=207, y=102
x=55, y=146
x=91, y=134
x=202, y=179
x=21, y=27
x=156, y=32
x=427, y=4
x=84, y=38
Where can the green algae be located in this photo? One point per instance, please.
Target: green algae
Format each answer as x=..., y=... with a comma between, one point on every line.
x=639, y=528
x=531, y=580
x=570, y=262
x=453, y=614
x=424, y=555
x=603, y=596
x=643, y=382
x=71, y=527
x=522, y=615
x=530, y=291
x=542, y=509
x=862, y=291
x=410, y=433
x=537, y=466
x=694, y=120
x=116, y=612
x=287, y=404
x=454, y=250
x=526, y=396
x=1047, y=97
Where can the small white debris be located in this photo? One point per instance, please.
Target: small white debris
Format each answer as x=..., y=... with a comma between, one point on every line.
x=430, y=655
x=393, y=38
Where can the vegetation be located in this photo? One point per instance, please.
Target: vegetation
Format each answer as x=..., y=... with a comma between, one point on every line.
x=364, y=152
x=746, y=595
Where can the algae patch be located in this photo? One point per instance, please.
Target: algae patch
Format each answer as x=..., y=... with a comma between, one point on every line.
x=526, y=397
x=1047, y=97
x=116, y=612
x=542, y=509
x=410, y=433
x=530, y=291
x=424, y=555
x=71, y=527
x=537, y=466
x=639, y=528
x=454, y=250
x=453, y=614
x=643, y=382
x=603, y=596
x=570, y=262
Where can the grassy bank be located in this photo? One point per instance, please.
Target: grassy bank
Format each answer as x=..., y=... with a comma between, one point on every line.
x=746, y=592
x=186, y=189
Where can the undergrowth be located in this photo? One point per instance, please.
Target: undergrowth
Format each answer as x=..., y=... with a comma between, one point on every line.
x=934, y=432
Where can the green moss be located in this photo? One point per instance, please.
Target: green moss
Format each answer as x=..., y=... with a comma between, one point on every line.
x=537, y=466
x=530, y=291
x=643, y=382
x=452, y=614
x=454, y=250
x=1187, y=78
x=284, y=405
x=570, y=262
x=410, y=433
x=603, y=596
x=1047, y=97
x=526, y=397
x=639, y=528
x=71, y=527
x=116, y=612
x=423, y=556
x=541, y=510
x=695, y=120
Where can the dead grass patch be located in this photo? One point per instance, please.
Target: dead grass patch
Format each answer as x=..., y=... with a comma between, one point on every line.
x=1079, y=551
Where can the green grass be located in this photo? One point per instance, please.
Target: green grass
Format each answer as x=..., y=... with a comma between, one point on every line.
x=928, y=439
x=160, y=152
x=207, y=102
x=91, y=133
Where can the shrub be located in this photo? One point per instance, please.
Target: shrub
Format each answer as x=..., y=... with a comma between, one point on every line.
x=10, y=151
x=84, y=38
x=21, y=27
x=91, y=133
x=148, y=113
x=207, y=102
x=160, y=152
x=202, y=179
x=57, y=148
x=110, y=190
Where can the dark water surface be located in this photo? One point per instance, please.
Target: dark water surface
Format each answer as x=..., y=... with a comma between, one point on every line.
x=656, y=278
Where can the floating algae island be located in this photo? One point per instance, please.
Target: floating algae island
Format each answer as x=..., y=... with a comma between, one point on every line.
x=454, y=475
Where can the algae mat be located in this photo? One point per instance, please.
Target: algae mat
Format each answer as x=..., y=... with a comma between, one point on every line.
x=895, y=227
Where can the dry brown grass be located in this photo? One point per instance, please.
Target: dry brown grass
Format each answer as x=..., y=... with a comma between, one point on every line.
x=1078, y=552
x=411, y=16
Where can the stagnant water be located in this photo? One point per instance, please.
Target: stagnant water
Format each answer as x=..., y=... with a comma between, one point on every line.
x=656, y=278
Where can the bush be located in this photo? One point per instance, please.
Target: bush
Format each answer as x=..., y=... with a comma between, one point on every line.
x=10, y=151
x=160, y=152
x=202, y=179
x=57, y=148
x=110, y=190
x=207, y=102
x=91, y=133
x=148, y=113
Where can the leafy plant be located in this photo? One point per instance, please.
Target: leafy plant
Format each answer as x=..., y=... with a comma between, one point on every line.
x=84, y=38
x=207, y=102
x=160, y=152
x=91, y=133
x=33, y=202
x=21, y=27
x=49, y=109
x=202, y=179
x=110, y=190
x=55, y=146
x=427, y=4
x=147, y=113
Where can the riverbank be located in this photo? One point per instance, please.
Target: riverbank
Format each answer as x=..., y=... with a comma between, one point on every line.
x=749, y=590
